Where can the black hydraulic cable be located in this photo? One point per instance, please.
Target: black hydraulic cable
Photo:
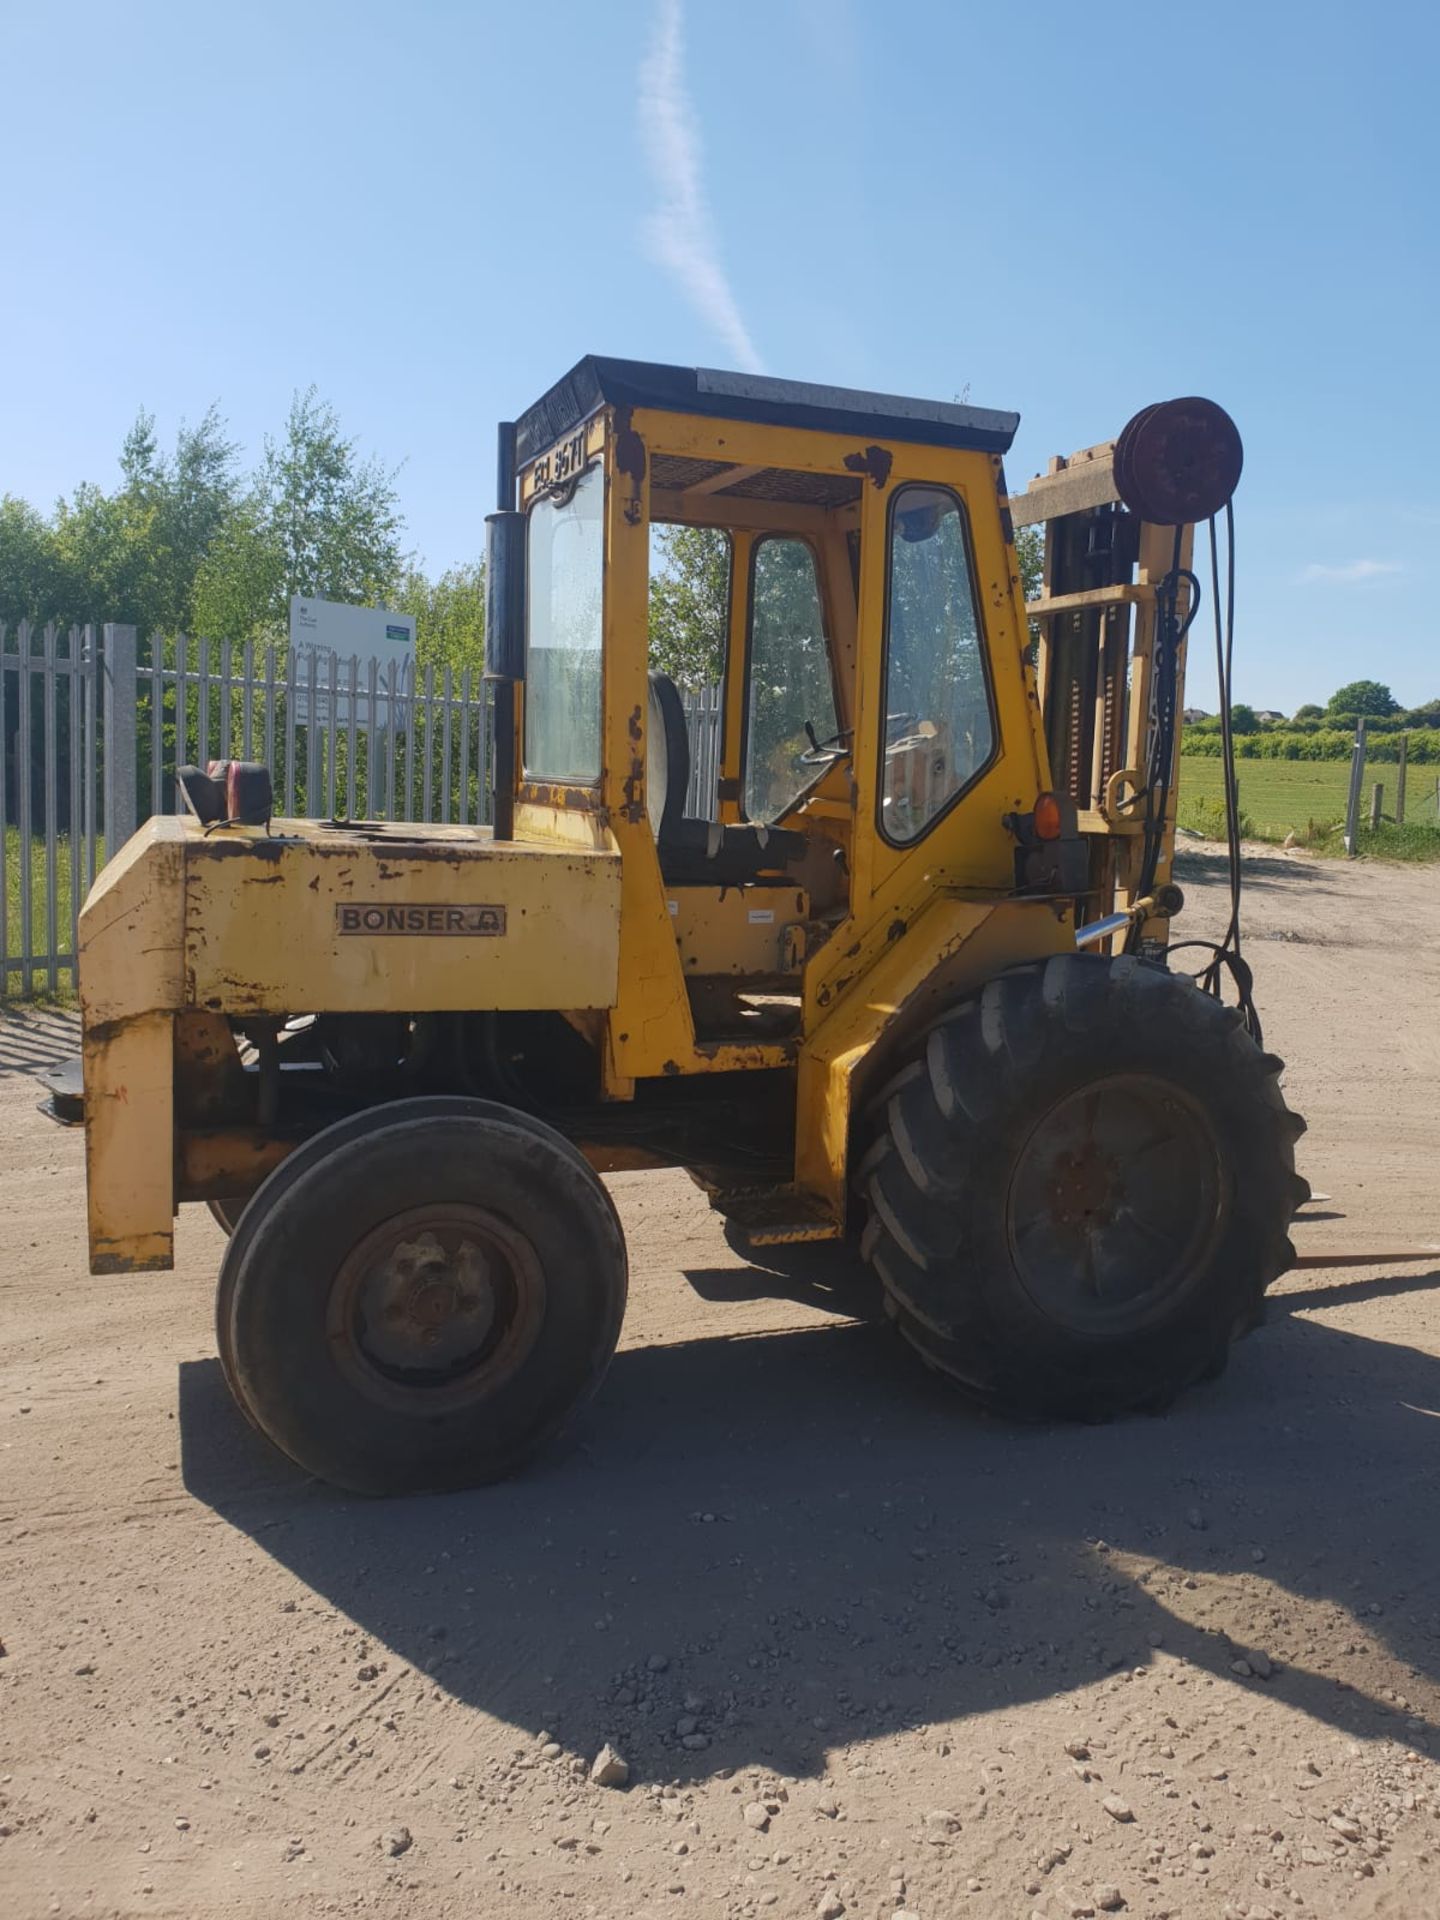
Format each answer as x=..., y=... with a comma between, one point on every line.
x=1226, y=954
x=1170, y=631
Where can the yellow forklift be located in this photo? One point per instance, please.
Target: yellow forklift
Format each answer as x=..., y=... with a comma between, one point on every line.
x=904, y=982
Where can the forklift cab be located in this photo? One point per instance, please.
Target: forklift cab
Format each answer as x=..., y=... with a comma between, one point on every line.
x=864, y=621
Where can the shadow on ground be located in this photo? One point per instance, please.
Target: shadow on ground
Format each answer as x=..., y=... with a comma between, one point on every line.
x=826, y=1277
x=825, y=1545
x=1269, y=871
x=36, y=1038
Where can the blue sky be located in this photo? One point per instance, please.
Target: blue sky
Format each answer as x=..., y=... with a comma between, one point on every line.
x=432, y=210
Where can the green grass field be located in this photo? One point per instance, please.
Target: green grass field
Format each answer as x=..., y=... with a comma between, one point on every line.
x=1284, y=796
x=39, y=919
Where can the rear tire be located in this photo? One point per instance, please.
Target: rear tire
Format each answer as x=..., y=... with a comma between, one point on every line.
x=1079, y=1188
x=420, y=1297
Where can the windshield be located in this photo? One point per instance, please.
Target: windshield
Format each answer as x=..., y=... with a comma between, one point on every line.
x=563, y=598
x=791, y=703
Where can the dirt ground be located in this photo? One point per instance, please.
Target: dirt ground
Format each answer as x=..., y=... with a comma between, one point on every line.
x=864, y=1651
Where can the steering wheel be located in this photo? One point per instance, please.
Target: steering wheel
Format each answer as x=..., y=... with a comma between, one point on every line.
x=822, y=753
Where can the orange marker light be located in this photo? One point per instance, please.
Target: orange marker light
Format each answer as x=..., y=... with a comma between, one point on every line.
x=1049, y=822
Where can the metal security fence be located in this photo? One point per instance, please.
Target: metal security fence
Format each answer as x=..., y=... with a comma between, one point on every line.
x=94, y=722
x=704, y=711
x=342, y=739
x=49, y=767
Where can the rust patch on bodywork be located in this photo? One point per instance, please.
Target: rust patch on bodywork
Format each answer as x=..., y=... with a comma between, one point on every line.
x=629, y=447
x=630, y=465
x=210, y=1081
x=552, y=793
x=247, y=849
x=106, y=1263
x=218, y=1164
x=874, y=462
x=634, y=789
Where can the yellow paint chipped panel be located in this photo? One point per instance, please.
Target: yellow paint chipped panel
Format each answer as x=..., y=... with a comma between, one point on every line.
x=305, y=918
x=131, y=928
x=306, y=924
x=949, y=952
x=130, y=1182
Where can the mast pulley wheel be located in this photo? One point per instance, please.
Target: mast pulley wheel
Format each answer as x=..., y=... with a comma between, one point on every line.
x=1179, y=462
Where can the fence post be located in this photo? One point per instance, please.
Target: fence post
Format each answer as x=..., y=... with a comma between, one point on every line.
x=119, y=723
x=4, y=831
x=24, y=804
x=50, y=752
x=1404, y=755
x=1357, y=780
x=1377, y=804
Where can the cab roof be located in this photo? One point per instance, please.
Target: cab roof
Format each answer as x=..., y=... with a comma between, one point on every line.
x=596, y=381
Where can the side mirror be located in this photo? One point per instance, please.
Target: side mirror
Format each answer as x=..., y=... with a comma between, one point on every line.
x=505, y=595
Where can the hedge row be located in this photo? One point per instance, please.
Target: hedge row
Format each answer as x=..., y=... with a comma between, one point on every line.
x=1329, y=744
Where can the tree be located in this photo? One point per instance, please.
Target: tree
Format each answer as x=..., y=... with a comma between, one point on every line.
x=689, y=604
x=317, y=519
x=1244, y=719
x=449, y=616
x=186, y=542
x=335, y=517
x=197, y=496
x=1309, y=712
x=239, y=591
x=1030, y=552
x=32, y=578
x=133, y=555
x=1369, y=697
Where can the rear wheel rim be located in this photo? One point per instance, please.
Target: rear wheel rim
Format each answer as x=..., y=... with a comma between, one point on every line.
x=436, y=1308
x=1115, y=1204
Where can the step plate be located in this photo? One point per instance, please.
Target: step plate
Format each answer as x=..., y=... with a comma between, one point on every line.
x=777, y=1216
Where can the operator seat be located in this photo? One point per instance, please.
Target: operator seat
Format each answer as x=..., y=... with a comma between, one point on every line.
x=699, y=852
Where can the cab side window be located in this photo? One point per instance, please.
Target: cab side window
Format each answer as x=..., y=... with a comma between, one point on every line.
x=939, y=719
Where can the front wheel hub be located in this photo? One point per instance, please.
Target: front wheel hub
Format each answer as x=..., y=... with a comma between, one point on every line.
x=436, y=1305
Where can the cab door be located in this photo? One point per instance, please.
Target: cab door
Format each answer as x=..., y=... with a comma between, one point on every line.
x=946, y=740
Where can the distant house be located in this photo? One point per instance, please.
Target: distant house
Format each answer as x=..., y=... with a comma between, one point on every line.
x=1192, y=714
x=1267, y=715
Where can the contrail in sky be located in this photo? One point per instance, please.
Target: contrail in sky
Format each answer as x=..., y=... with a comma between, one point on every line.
x=680, y=233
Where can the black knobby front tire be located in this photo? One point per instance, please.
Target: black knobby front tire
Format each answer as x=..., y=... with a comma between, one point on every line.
x=418, y=1300
x=1079, y=1188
